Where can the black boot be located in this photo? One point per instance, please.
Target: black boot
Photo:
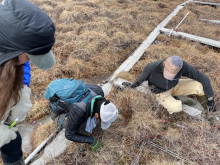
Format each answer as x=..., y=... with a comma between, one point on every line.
x=186, y=100
x=203, y=101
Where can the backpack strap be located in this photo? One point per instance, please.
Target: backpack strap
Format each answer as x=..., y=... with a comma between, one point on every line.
x=64, y=106
x=82, y=104
x=54, y=98
x=60, y=126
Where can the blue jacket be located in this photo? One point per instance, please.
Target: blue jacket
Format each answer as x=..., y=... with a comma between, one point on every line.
x=27, y=74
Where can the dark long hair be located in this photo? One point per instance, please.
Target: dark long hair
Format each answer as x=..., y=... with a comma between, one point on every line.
x=11, y=81
x=97, y=105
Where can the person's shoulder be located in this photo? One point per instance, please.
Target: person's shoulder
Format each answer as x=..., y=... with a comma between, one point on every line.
x=185, y=64
x=155, y=63
x=25, y=90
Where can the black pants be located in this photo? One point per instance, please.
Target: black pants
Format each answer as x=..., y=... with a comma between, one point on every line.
x=12, y=152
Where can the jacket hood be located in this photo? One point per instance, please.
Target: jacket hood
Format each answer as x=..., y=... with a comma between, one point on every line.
x=24, y=27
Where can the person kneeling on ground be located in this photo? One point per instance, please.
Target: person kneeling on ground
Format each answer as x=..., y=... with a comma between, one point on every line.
x=77, y=121
x=164, y=80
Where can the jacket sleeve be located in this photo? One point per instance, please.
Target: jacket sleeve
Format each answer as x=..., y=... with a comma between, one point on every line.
x=75, y=118
x=7, y=134
x=22, y=107
x=193, y=73
x=144, y=76
x=27, y=74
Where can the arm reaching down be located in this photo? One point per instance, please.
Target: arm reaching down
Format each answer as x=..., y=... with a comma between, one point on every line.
x=75, y=118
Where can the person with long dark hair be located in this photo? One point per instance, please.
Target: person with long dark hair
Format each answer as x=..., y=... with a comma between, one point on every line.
x=26, y=33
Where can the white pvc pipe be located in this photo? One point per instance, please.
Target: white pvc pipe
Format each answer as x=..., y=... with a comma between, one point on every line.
x=203, y=40
x=38, y=148
x=179, y=23
x=182, y=20
x=207, y=3
x=212, y=21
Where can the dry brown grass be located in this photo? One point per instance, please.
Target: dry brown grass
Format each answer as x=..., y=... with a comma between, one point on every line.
x=193, y=23
x=157, y=162
x=43, y=132
x=39, y=110
x=127, y=76
x=95, y=43
x=94, y=37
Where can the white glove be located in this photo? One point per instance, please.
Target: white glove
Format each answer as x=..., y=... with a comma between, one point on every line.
x=7, y=134
x=21, y=109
